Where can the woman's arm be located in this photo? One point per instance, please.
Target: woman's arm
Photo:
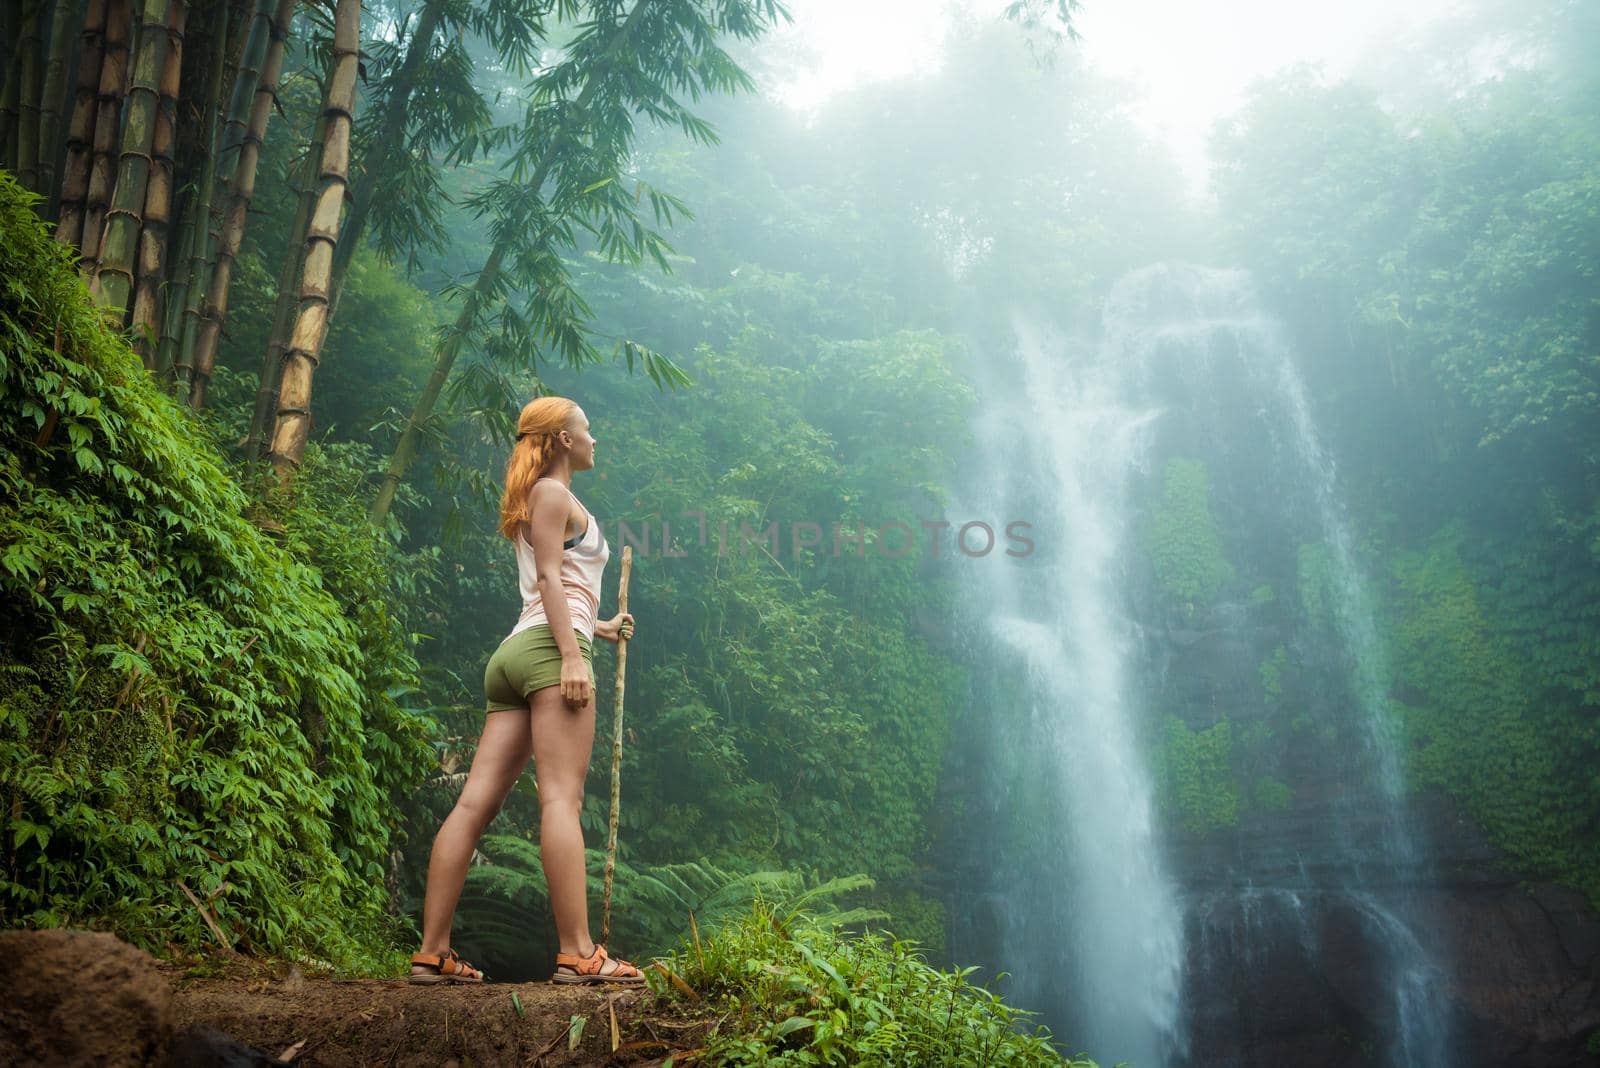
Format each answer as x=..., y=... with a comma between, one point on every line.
x=548, y=508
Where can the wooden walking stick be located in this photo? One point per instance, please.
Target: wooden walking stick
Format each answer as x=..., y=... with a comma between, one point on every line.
x=616, y=749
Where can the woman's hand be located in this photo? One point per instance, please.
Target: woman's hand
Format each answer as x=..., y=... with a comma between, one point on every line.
x=617, y=627
x=576, y=685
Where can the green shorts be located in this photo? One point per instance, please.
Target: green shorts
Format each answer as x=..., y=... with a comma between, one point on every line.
x=527, y=661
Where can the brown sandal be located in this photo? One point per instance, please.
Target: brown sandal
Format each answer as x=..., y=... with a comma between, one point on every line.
x=587, y=969
x=449, y=968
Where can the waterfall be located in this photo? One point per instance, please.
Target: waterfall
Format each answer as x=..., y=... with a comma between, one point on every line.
x=1077, y=661
x=1090, y=910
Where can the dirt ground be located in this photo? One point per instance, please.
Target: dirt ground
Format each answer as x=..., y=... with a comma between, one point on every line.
x=78, y=997
x=391, y=1022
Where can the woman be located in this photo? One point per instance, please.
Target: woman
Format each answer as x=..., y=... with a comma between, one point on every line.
x=540, y=689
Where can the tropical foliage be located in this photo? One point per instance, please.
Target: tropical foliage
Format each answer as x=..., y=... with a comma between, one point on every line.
x=201, y=724
x=793, y=992
x=1434, y=262
x=234, y=707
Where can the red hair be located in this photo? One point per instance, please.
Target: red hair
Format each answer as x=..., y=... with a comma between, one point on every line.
x=541, y=420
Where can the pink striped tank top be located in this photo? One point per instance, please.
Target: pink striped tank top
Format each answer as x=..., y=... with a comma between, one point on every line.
x=583, y=562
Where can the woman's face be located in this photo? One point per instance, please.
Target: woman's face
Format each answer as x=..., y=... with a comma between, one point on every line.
x=581, y=442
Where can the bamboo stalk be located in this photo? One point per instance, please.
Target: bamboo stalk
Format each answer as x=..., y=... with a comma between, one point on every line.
x=207, y=36
x=389, y=143
x=113, y=279
x=293, y=424
x=53, y=98
x=616, y=749
x=258, y=38
x=239, y=23
x=10, y=87
x=201, y=260
x=264, y=92
x=199, y=217
x=30, y=85
x=11, y=92
x=107, y=126
x=80, y=131
x=153, y=238
x=266, y=407
x=176, y=297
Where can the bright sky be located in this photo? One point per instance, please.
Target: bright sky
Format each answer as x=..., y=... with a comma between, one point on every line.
x=1193, y=60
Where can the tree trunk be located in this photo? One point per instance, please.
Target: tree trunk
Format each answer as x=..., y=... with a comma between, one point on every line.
x=207, y=36
x=80, y=132
x=247, y=138
x=176, y=297
x=293, y=424
x=62, y=40
x=153, y=239
x=11, y=55
x=197, y=221
x=30, y=84
x=240, y=20
x=389, y=143
x=251, y=57
x=202, y=246
x=107, y=127
x=113, y=279
x=482, y=290
x=266, y=409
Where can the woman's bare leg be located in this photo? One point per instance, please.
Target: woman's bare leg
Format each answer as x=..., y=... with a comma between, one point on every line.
x=563, y=742
x=503, y=753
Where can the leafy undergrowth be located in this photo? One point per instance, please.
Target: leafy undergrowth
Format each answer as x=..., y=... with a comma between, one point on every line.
x=769, y=986
x=201, y=734
x=790, y=988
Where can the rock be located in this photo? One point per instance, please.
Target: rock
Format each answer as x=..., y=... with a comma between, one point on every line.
x=1286, y=966
x=1519, y=988
x=204, y=1047
x=81, y=997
